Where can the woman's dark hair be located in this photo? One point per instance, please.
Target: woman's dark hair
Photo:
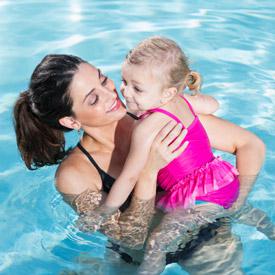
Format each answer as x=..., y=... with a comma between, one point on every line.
x=40, y=136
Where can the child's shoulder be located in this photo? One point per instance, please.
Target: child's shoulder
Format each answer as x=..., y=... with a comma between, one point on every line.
x=150, y=124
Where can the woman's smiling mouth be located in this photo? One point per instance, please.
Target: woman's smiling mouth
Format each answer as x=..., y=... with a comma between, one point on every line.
x=115, y=106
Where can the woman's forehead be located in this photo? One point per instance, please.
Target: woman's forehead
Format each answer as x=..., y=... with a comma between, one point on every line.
x=85, y=78
x=86, y=69
x=85, y=73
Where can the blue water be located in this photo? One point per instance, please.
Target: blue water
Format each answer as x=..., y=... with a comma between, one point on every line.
x=231, y=43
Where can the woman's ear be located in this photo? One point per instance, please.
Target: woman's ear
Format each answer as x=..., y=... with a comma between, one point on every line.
x=70, y=122
x=168, y=94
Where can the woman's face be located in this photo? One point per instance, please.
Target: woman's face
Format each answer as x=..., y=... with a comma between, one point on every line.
x=95, y=99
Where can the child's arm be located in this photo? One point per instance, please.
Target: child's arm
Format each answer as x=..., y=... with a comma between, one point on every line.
x=203, y=104
x=141, y=142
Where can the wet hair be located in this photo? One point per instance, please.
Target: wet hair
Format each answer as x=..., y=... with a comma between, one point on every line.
x=164, y=53
x=39, y=135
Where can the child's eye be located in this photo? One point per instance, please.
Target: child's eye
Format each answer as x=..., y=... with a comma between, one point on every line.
x=137, y=89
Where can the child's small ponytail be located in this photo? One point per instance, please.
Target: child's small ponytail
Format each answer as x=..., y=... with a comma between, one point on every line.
x=194, y=82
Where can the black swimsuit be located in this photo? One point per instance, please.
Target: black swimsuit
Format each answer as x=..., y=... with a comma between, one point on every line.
x=107, y=183
x=107, y=180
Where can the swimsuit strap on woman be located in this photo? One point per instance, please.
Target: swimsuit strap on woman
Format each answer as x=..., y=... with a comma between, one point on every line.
x=133, y=116
x=106, y=179
x=85, y=152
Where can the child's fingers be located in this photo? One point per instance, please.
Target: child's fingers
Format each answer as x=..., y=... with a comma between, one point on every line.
x=172, y=135
x=166, y=129
x=177, y=142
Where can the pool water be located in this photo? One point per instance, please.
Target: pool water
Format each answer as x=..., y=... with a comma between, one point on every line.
x=231, y=43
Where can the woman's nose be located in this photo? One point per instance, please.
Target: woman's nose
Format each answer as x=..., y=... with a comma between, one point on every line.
x=125, y=90
x=111, y=89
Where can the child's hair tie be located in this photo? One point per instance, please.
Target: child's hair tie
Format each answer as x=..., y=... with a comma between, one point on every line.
x=194, y=82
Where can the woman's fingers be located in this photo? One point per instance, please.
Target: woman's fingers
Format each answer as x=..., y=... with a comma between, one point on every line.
x=172, y=135
x=168, y=127
x=167, y=144
x=178, y=141
x=179, y=150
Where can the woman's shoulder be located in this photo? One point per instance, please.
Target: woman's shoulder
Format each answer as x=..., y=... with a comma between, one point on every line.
x=75, y=174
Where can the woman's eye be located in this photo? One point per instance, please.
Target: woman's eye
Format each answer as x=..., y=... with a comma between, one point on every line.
x=104, y=80
x=124, y=82
x=93, y=100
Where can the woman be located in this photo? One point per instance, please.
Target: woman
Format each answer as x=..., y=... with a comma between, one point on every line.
x=67, y=93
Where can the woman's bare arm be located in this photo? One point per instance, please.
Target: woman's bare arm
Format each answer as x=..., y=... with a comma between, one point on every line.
x=248, y=148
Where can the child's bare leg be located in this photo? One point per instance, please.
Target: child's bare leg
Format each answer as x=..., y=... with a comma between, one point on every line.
x=178, y=227
x=220, y=254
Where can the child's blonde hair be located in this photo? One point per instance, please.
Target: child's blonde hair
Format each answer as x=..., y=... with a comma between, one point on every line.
x=159, y=51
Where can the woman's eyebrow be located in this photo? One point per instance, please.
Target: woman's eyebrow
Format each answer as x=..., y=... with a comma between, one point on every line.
x=99, y=73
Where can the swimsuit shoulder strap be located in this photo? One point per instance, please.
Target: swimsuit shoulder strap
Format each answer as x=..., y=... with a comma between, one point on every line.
x=159, y=110
x=107, y=180
x=133, y=116
x=189, y=105
x=86, y=153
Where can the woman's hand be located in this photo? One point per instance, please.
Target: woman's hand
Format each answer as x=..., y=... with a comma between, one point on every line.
x=166, y=146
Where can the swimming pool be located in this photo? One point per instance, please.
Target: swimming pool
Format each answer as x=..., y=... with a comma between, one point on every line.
x=231, y=45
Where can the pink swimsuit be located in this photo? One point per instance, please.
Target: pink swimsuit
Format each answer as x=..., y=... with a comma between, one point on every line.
x=196, y=175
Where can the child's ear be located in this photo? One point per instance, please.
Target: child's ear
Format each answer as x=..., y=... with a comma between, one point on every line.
x=70, y=122
x=168, y=94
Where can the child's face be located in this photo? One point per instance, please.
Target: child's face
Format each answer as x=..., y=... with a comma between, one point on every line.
x=141, y=87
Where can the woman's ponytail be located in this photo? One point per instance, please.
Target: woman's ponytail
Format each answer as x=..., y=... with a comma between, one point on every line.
x=38, y=143
x=39, y=135
x=194, y=82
